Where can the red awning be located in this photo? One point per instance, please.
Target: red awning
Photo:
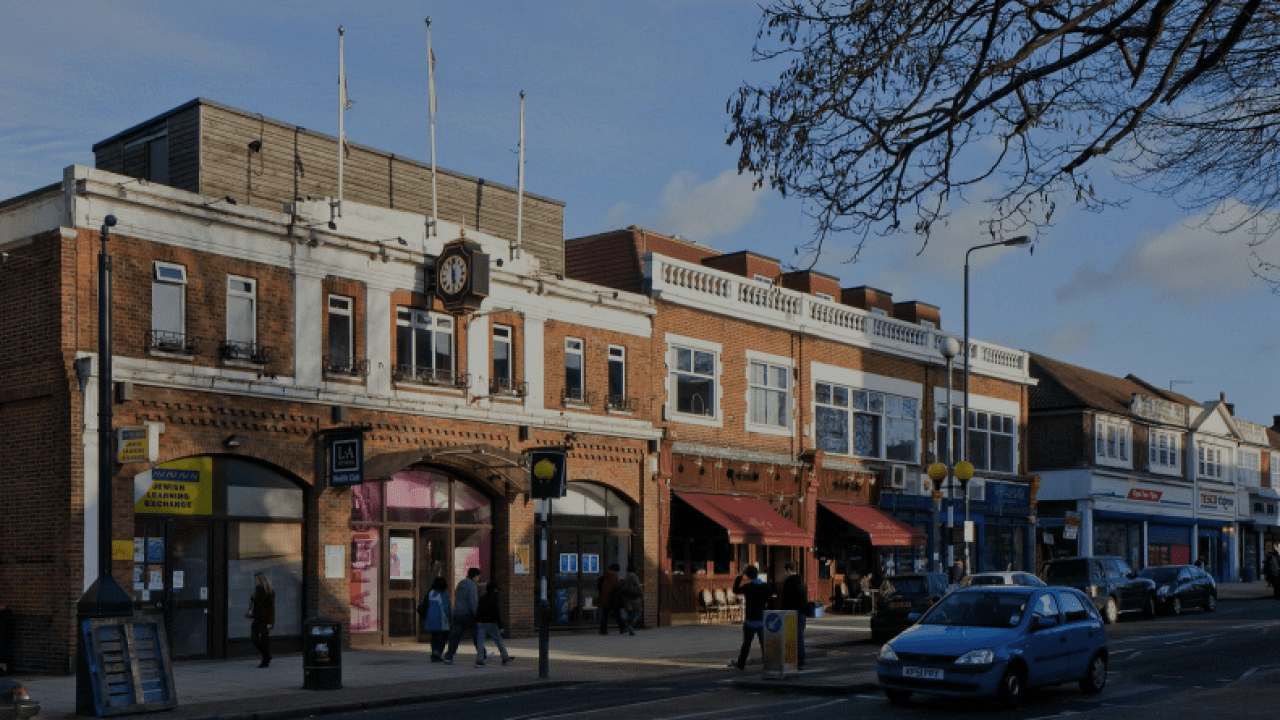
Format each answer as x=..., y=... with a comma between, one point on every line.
x=748, y=519
x=885, y=530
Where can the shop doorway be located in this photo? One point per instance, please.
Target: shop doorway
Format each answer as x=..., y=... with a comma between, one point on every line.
x=173, y=577
x=590, y=530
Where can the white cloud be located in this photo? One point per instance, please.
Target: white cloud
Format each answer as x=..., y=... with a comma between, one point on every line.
x=701, y=210
x=1188, y=263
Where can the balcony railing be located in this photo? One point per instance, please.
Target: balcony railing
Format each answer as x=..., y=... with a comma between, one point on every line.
x=577, y=396
x=509, y=387
x=346, y=366
x=172, y=342
x=690, y=284
x=244, y=351
x=622, y=403
x=430, y=376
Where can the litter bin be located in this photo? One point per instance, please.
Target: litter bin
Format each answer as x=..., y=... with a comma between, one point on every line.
x=322, y=654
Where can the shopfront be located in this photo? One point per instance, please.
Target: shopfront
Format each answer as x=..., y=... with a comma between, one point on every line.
x=590, y=529
x=423, y=523
x=204, y=526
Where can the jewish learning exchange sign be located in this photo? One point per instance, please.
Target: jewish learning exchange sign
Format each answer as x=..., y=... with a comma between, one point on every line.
x=178, y=487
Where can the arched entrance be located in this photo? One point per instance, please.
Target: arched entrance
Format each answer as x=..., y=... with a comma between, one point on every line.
x=422, y=523
x=203, y=526
x=590, y=529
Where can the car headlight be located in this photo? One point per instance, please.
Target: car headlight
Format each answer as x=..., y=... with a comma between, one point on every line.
x=1163, y=590
x=887, y=654
x=982, y=656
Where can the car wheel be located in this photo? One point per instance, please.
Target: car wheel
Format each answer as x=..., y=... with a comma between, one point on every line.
x=898, y=697
x=1149, y=610
x=1175, y=606
x=1210, y=602
x=1110, y=611
x=1011, y=686
x=1095, y=676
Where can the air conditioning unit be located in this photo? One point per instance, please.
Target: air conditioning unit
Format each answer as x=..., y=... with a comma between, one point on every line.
x=898, y=477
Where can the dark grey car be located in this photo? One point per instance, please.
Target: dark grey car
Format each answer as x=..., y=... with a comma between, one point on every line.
x=1108, y=580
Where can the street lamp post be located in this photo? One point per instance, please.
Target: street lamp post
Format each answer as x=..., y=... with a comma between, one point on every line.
x=1018, y=241
x=938, y=472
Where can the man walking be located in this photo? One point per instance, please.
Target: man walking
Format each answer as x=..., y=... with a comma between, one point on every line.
x=795, y=596
x=757, y=594
x=466, y=600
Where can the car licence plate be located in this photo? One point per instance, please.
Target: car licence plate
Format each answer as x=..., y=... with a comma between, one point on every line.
x=900, y=604
x=922, y=673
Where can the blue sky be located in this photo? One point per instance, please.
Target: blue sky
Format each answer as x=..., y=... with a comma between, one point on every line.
x=625, y=122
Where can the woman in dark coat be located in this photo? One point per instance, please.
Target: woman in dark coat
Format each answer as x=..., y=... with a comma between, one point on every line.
x=262, y=608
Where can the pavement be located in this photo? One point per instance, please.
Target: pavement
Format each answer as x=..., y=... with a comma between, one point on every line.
x=237, y=689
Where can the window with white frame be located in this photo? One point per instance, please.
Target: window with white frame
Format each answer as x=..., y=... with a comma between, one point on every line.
x=695, y=376
x=768, y=394
x=1211, y=461
x=1112, y=441
x=341, y=355
x=1275, y=470
x=502, y=359
x=1163, y=451
x=424, y=347
x=573, y=371
x=866, y=423
x=168, y=306
x=1249, y=467
x=241, y=311
x=617, y=377
x=993, y=438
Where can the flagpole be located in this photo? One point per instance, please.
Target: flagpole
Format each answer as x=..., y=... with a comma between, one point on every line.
x=515, y=249
x=431, y=113
x=336, y=210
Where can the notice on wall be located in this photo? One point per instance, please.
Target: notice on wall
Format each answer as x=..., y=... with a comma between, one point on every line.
x=334, y=561
x=522, y=560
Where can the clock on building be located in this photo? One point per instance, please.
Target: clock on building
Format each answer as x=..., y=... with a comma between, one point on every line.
x=462, y=275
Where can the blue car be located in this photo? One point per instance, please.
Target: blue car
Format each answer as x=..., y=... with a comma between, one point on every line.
x=997, y=641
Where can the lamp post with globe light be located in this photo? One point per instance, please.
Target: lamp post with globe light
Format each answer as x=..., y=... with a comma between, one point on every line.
x=938, y=472
x=1018, y=241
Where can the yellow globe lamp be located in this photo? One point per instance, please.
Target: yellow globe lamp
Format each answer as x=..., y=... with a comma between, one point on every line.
x=964, y=471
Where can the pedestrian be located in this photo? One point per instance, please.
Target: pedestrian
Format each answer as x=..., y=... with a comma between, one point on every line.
x=262, y=610
x=632, y=595
x=795, y=596
x=466, y=600
x=1272, y=572
x=489, y=624
x=757, y=594
x=435, y=612
x=610, y=601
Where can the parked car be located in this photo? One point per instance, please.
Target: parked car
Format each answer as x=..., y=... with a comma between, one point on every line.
x=1004, y=577
x=1182, y=586
x=1109, y=581
x=902, y=599
x=997, y=641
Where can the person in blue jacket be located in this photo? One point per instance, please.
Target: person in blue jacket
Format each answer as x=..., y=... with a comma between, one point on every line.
x=435, y=611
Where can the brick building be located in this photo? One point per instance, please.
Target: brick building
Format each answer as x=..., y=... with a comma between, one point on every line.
x=257, y=324
x=1136, y=470
x=798, y=418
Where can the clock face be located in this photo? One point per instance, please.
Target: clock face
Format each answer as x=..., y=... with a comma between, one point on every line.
x=452, y=274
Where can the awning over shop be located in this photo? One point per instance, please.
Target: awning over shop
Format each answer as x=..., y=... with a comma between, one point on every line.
x=748, y=519
x=885, y=530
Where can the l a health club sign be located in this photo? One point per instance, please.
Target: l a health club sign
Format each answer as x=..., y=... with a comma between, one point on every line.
x=177, y=487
